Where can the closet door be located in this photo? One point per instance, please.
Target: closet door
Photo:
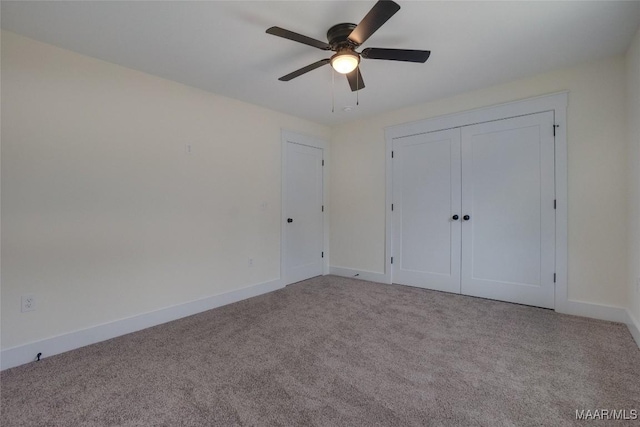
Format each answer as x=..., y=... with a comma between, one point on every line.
x=426, y=198
x=508, y=239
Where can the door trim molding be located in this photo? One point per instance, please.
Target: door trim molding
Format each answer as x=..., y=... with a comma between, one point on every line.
x=315, y=142
x=556, y=102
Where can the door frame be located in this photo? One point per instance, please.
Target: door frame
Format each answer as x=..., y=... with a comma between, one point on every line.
x=556, y=103
x=315, y=142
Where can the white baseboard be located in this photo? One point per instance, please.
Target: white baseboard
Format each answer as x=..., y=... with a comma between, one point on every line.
x=594, y=311
x=603, y=312
x=359, y=274
x=634, y=327
x=26, y=353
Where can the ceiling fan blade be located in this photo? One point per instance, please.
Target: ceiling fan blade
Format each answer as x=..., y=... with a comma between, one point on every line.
x=355, y=80
x=281, y=32
x=408, y=55
x=378, y=15
x=304, y=70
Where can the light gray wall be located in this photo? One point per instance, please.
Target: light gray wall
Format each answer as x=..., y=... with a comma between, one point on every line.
x=104, y=216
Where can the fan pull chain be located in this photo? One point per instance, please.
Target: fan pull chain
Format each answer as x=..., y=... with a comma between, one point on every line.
x=333, y=96
x=357, y=85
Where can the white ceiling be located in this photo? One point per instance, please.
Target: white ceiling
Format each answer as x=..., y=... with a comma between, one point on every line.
x=222, y=47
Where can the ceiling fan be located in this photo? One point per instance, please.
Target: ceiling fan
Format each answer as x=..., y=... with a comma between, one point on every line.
x=345, y=38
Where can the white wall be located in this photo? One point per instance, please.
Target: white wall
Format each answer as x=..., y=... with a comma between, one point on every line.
x=633, y=121
x=597, y=182
x=104, y=216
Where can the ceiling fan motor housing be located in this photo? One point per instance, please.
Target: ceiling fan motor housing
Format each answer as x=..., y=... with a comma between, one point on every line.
x=338, y=37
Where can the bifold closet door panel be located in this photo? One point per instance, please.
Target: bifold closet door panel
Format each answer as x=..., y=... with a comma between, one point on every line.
x=426, y=196
x=508, y=241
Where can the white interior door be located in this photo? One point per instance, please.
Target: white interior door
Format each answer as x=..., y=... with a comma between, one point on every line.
x=426, y=197
x=508, y=194
x=303, y=213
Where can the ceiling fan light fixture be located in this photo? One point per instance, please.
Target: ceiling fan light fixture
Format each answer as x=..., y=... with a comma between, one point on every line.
x=345, y=38
x=345, y=61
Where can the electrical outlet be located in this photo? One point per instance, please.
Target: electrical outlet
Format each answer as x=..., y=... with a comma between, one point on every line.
x=250, y=263
x=28, y=302
x=188, y=149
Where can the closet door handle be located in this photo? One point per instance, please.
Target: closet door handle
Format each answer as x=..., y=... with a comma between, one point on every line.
x=455, y=217
x=466, y=217
x=289, y=219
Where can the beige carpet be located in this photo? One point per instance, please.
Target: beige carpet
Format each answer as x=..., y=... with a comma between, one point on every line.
x=338, y=352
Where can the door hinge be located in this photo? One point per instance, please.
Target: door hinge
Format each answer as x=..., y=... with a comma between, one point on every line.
x=322, y=208
x=392, y=154
x=555, y=204
x=554, y=277
x=322, y=162
x=554, y=129
x=391, y=206
x=322, y=255
x=391, y=260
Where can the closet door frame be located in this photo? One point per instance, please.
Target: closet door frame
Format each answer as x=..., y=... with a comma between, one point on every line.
x=556, y=103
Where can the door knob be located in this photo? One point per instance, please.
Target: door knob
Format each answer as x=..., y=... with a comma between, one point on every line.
x=455, y=217
x=466, y=217
x=289, y=219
